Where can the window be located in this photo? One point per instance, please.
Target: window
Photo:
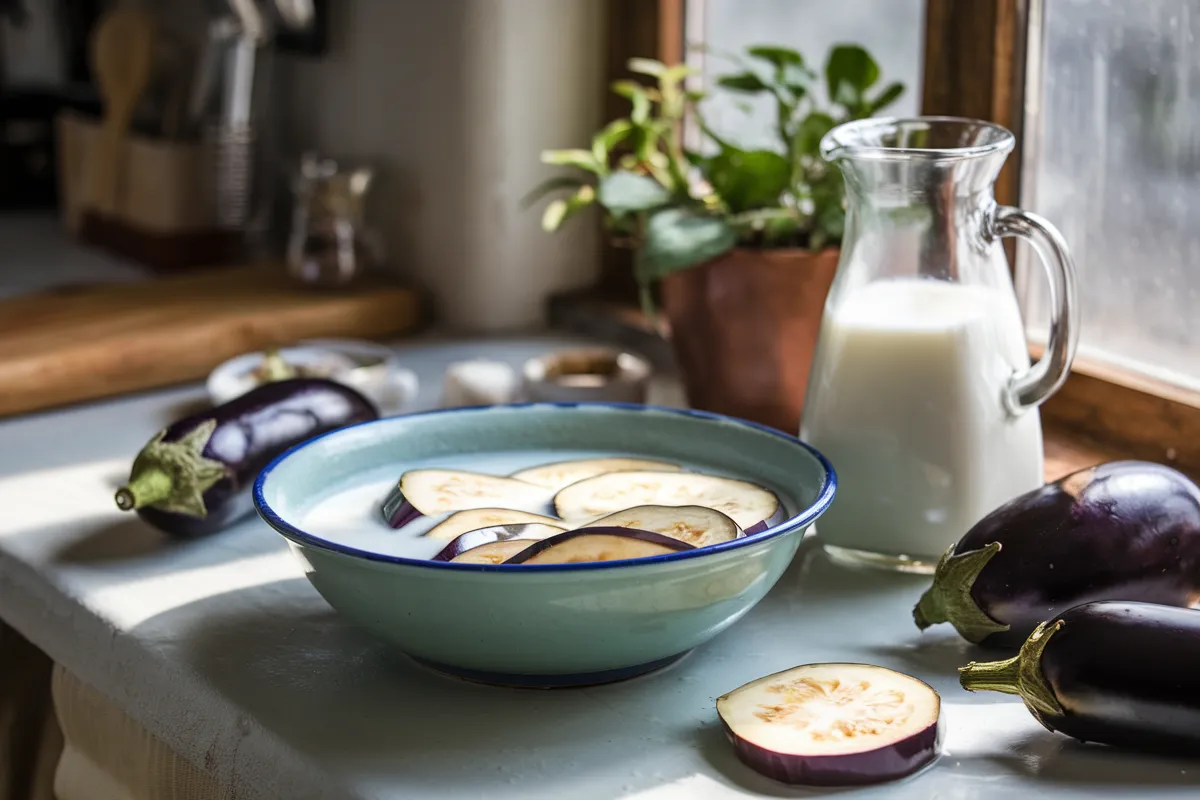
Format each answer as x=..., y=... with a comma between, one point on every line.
x=891, y=31
x=1112, y=158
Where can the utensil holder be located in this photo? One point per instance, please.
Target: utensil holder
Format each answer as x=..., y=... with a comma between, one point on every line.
x=163, y=211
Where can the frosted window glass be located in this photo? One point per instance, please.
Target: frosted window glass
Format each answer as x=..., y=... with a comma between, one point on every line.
x=1113, y=159
x=891, y=31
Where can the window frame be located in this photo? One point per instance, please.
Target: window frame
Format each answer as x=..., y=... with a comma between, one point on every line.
x=974, y=65
x=980, y=52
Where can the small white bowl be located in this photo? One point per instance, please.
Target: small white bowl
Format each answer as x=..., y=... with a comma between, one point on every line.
x=370, y=368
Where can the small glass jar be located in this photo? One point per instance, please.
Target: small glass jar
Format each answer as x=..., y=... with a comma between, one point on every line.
x=329, y=244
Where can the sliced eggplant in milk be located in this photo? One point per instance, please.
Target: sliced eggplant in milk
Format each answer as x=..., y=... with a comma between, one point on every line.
x=440, y=491
x=494, y=553
x=462, y=546
x=746, y=504
x=563, y=473
x=461, y=522
x=696, y=525
x=598, y=544
x=833, y=724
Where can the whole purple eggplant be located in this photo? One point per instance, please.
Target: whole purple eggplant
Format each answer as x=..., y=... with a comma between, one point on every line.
x=194, y=477
x=1112, y=672
x=1127, y=530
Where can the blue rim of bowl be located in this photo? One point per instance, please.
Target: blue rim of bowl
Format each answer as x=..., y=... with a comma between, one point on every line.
x=798, y=522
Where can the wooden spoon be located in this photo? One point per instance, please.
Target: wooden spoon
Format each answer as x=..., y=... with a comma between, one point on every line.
x=123, y=53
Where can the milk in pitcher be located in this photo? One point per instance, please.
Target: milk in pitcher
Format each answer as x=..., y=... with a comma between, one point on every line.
x=906, y=400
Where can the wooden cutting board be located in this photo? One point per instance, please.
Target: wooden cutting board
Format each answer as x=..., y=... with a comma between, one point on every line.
x=83, y=343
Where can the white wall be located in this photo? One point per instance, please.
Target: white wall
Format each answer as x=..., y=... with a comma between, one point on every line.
x=454, y=100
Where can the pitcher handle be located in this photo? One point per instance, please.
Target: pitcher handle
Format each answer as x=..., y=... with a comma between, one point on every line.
x=1033, y=386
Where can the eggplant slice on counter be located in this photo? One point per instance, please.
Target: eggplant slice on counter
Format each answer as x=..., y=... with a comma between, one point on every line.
x=833, y=724
x=1118, y=673
x=194, y=477
x=1127, y=530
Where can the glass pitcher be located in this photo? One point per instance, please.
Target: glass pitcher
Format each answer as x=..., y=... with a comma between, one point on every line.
x=922, y=393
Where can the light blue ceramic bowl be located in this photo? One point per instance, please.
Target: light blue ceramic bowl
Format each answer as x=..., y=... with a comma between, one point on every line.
x=548, y=625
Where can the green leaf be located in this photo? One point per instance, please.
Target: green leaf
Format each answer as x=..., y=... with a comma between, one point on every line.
x=742, y=82
x=888, y=96
x=676, y=73
x=773, y=224
x=810, y=132
x=776, y=56
x=583, y=159
x=678, y=238
x=637, y=97
x=849, y=72
x=623, y=192
x=547, y=186
x=562, y=209
x=646, y=66
x=832, y=221
x=609, y=137
x=747, y=179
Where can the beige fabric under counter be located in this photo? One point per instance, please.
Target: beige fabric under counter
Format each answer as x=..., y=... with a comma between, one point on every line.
x=109, y=756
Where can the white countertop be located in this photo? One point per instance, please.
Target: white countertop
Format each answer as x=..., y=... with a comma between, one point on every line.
x=222, y=649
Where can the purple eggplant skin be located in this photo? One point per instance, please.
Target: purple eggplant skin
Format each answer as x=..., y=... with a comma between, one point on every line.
x=194, y=477
x=1113, y=672
x=1126, y=530
x=481, y=536
x=602, y=530
x=397, y=511
x=887, y=763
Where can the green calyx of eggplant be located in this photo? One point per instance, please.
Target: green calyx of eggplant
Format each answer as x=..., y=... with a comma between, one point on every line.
x=173, y=476
x=949, y=598
x=1020, y=675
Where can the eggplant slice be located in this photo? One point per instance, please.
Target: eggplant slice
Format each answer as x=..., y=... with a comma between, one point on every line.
x=462, y=522
x=471, y=540
x=438, y=491
x=493, y=553
x=561, y=474
x=696, y=525
x=598, y=544
x=745, y=503
x=833, y=724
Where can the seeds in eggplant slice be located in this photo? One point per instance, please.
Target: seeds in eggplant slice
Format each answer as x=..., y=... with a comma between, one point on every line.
x=745, y=503
x=438, y=491
x=563, y=473
x=833, y=724
x=494, y=553
x=461, y=522
x=696, y=525
x=530, y=532
x=598, y=544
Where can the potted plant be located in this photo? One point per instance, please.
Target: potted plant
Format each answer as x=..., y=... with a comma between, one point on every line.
x=739, y=245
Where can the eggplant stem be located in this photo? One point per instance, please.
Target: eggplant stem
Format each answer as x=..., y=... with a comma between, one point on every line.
x=173, y=476
x=949, y=599
x=1020, y=675
x=992, y=676
x=150, y=486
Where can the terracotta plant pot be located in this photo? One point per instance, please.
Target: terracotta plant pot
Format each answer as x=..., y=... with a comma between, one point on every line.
x=744, y=327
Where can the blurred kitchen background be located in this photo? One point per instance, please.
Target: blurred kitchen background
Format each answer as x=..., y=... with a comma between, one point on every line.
x=425, y=121
x=448, y=104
